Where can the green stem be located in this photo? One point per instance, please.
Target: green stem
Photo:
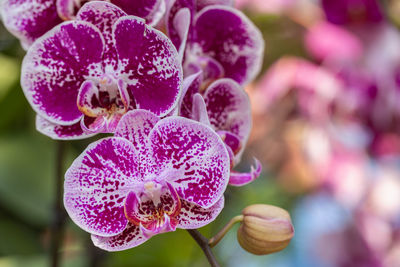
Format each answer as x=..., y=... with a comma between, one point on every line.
x=57, y=228
x=203, y=243
x=215, y=239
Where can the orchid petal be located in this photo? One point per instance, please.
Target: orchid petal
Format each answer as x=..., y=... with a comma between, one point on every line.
x=150, y=10
x=135, y=126
x=228, y=108
x=240, y=179
x=203, y=3
x=199, y=110
x=228, y=36
x=187, y=83
x=29, y=19
x=88, y=96
x=66, y=9
x=191, y=86
x=103, y=15
x=174, y=33
x=193, y=216
x=55, y=67
x=97, y=183
x=231, y=140
x=181, y=24
x=60, y=132
x=94, y=125
x=129, y=238
x=197, y=156
x=149, y=65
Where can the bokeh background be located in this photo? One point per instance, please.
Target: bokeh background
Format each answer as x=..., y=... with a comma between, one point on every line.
x=326, y=128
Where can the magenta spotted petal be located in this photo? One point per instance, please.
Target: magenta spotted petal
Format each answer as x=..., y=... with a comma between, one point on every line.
x=228, y=109
x=193, y=216
x=154, y=177
x=97, y=183
x=228, y=36
x=30, y=19
x=149, y=64
x=56, y=66
x=58, y=132
x=93, y=70
x=129, y=238
x=195, y=158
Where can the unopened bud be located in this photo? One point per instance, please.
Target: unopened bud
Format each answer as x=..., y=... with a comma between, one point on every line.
x=265, y=229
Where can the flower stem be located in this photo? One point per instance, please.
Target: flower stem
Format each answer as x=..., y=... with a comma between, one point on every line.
x=203, y=243
x=215, y=239
x=57, y=227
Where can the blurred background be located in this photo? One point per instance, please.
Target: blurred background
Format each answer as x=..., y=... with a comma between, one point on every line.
x=326, y=128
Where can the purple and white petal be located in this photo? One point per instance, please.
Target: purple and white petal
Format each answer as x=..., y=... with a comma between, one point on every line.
x=231, y=140
x=97, y=184
x=29, y=19
x=150, y=10
x=103, y=15
x=193, y=216
x=149, y=65
x=228, y=36
x=228, y=108
x=187, y=83
x=135, y=126
x=203, y=3
x=129, y=238
x=94, y=125
x=56, y=65
x=240, y=179
x=87, y=100
x=61, y=132
x=193, y=157
x=181, y=24
x=199, y=110
x=175, y=6
x=66, y=9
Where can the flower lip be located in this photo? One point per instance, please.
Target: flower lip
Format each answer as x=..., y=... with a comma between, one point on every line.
x=154, y=206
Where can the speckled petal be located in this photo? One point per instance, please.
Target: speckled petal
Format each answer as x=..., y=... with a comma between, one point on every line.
x=228, y=108
x=55, y=67
x=193, y=216
x=29, y=19
x=203, y=3
x=199, y=110
x=240, y=179
x=228, y=36
x=175, y=7
x=150, y=10
x=129, y=238
x=195, y=157
x=135, y=126
x=149, y=65
x=97, y=184
x=66, y=8
x=181, y=24
x=103, y=15
x=60, y=132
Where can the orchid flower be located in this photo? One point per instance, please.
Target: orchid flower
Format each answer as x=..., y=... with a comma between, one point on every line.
x=83, y=75
x=30, y=19
x=154, y=176
x=215, y=37
x=225, y=107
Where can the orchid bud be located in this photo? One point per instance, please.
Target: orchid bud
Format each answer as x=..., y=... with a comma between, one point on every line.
x=265, y=229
